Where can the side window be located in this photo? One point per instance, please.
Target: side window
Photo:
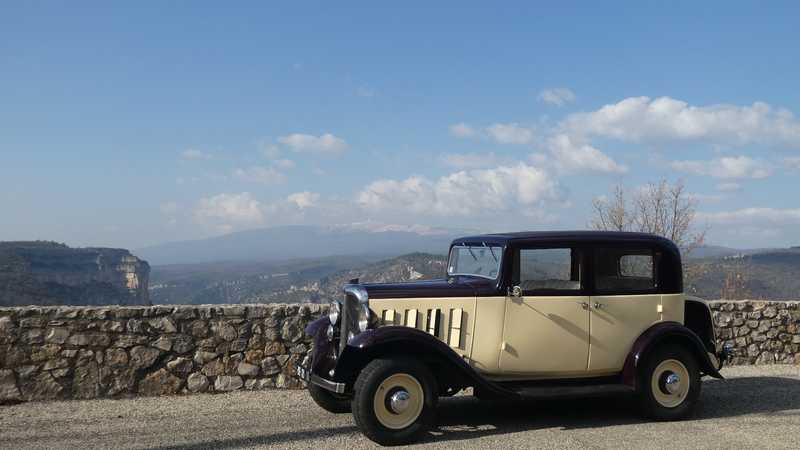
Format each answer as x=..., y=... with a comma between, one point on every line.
x=624, y=270
x=548, y=269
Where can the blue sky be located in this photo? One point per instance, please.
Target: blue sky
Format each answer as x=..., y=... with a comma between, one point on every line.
x=135, y=124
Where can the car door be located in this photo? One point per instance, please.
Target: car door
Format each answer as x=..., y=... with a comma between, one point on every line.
x=625, y=303
x=546, y=327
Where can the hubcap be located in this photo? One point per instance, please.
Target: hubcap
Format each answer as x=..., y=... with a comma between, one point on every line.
x=398, y=401
x=670, y=383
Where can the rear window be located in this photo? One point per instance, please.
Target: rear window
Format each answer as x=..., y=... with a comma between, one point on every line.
x=624, y=270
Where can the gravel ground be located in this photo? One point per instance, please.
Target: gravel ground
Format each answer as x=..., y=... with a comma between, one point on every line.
x=756, y=407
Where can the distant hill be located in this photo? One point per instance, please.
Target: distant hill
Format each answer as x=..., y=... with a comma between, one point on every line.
x=310, y=280
x=297, y=242
x=767, y=275
x=48, y=273
x=770, y=274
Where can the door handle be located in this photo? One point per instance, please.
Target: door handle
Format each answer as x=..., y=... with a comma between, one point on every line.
x=598, y=305
x=584, y=305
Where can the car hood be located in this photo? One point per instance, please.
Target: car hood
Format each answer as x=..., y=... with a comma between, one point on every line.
x=450, y=287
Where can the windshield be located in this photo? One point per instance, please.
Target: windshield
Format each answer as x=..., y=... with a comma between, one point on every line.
x=477, y=260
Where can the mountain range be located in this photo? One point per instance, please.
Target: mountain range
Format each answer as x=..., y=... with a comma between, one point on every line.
x=297, y=242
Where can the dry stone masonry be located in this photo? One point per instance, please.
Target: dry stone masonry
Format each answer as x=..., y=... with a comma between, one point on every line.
x=91, y=352
x=761, y=332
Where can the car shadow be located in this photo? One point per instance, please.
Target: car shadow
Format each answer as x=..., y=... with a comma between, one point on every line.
x=466, y=417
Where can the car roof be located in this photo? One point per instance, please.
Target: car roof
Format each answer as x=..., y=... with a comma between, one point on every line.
x=533, y=237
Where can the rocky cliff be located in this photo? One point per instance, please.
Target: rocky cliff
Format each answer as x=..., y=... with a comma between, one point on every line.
x=47, y=273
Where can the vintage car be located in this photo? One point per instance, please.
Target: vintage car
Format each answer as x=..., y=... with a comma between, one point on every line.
x=519, y=315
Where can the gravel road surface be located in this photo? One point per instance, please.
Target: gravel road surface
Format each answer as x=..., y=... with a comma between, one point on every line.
x=756, y=407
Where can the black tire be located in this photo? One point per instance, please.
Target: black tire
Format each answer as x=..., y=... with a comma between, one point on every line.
x=656, y=401
x=371, y=378
x=328, y=400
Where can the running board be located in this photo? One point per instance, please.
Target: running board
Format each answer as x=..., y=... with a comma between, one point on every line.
x=548, y=392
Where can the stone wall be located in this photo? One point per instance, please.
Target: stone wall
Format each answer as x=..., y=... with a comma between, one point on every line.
x=761, y=332
x=90, y=352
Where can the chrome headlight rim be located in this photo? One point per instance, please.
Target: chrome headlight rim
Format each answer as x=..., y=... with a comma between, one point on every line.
x=334, y=312
x=363, y=318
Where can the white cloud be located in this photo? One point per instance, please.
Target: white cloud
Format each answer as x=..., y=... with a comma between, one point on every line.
x=793, y=162
x=572, y=156
x=303, y=200
x=462, y=130
x=260, y=174
x=728, y=167
x=464, y=193
x=230, y=209
x=640, y=119
x=754, y=216
x=469, y=160
x=191, y=153
x=728, y=187
x=325, y=143
x=557, y=96
x=510, y=133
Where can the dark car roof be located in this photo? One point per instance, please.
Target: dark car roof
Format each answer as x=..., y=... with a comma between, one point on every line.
x=532, y=237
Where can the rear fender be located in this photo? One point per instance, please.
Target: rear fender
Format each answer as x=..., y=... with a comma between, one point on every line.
x=663, y=333
x=448, y=367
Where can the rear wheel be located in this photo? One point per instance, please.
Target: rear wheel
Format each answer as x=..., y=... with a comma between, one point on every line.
x=329, y=401
x=669, y=384
x=394, y=401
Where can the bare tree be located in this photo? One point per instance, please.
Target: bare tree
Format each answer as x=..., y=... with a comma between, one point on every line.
x=660, y=208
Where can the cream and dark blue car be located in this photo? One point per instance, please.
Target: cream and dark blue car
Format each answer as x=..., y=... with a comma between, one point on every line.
x=519, y=315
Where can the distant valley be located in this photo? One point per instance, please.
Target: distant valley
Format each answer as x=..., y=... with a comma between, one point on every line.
x=309, y=264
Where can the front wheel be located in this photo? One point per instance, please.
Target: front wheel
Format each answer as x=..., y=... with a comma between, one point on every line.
x=669, y=384
x=395, y=401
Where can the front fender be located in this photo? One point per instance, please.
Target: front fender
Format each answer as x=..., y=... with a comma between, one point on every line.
x=449, y=368
x=661, y=333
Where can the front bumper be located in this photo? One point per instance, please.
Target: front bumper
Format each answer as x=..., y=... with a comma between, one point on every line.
x=308, y=376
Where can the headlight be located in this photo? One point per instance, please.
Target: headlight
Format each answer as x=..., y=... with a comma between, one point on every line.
x=329, y=333
x=333, y=313
x=363, y=318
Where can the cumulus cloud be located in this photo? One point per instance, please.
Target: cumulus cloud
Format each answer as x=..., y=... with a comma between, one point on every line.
x=557, y=96
x=640, y=119
x=729, y=167
x=230, y=209
x=325, y=143
x=260, y=174
x=462, y=130
x=303, y=200
x=464, y=193
x=569, y=155
x=191, y=153
x=469, y=160
x=510, y=133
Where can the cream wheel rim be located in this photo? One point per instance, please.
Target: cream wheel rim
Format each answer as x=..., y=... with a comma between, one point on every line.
x=670, y=383
x=398, y=401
